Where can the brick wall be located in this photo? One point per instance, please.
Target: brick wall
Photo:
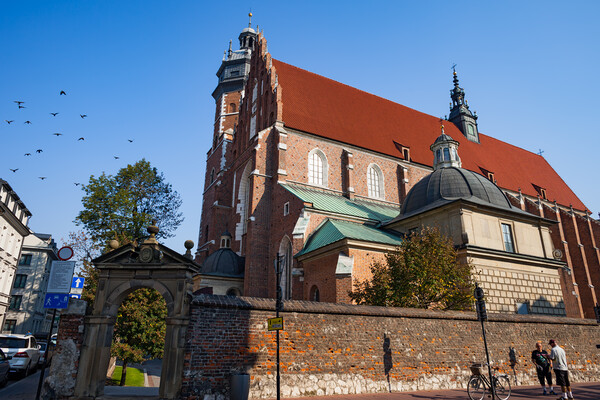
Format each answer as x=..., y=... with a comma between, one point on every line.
x=336, y=348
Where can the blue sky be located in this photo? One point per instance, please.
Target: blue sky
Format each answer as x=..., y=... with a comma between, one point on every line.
x=145, y=70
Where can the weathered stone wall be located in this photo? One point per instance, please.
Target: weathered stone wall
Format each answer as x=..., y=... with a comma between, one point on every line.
x=60, y=382
x=336, y=348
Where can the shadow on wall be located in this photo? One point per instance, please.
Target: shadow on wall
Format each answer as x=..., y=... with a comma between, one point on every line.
x=388, y=363
x=544, y=307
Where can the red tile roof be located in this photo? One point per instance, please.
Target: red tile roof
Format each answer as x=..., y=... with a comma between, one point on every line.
x=324, y=107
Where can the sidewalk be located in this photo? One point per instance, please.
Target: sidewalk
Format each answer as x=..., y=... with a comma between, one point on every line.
x=581, y=391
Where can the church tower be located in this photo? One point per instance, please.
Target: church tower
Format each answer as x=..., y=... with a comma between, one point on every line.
x=232, y=75
x=460, y=115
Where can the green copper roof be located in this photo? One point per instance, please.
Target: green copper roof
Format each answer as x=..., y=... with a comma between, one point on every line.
x=337, y=203
x=332, y=230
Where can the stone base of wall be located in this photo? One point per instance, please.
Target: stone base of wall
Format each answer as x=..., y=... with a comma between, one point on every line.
x=337, y=349
x=60, y=382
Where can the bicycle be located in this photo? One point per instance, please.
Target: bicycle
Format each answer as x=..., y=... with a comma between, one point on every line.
x=479, y=385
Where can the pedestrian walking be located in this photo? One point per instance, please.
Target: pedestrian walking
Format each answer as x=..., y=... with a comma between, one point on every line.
x=541, y=360
x=559, y=364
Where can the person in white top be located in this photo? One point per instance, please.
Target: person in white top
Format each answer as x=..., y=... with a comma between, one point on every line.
x=559, y=364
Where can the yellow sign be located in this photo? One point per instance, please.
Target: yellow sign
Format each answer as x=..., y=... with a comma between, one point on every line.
x=275, y=324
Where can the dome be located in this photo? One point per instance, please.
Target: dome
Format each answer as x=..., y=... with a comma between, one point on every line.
x=444, y=138
x=224, y=262
x=445, y=185
x=248, y=30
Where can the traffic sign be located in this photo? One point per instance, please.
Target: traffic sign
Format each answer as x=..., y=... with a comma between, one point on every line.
x=275, y=324
x=77, y=282
x=75, y=296
x=65, y=253
x=56, y=300
x=61, y=274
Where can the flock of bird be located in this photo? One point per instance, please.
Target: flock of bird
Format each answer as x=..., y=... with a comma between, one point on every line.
x=20, y=105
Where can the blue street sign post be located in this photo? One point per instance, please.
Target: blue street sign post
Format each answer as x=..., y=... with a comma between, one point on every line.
x=74, y=296
x=56, y=300
x=77, y=282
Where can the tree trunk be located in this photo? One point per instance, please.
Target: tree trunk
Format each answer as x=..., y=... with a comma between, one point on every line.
x=123, y=374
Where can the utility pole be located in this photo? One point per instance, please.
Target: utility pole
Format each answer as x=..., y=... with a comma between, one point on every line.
x=482, y=316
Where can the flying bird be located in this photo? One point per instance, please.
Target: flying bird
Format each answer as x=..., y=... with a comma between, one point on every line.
x=57, y=134
x=81, y=138
x=14, y=170
x=20, y=106
x=77, y=183
x=116, y=158
x=83, y=115
x=130, y=140
x=39, y=150
x=28, y=122
x=63, y=93
x=9, y=122
x=19, y=102
x=42, y=177
x=54, y=114
x=27, y=154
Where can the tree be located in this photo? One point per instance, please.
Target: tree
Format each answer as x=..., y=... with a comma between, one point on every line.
x=121, y=207
x=423, y=272
x=140, y=328
x=85, y=250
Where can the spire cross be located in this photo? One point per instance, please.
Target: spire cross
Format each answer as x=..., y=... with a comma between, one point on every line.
x=453, y=68
x=540, y=152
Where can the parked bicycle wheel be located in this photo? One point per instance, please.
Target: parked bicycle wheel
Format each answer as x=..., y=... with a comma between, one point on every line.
x=502, y=386
x=476, y=388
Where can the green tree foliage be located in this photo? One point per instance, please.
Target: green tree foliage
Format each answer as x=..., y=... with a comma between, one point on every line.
x=424, y=272
x=140, y=328
x=85, y=250
x=121, y=207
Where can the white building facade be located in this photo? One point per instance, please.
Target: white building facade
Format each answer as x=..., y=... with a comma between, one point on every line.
x=14, y=217
x=26, y=312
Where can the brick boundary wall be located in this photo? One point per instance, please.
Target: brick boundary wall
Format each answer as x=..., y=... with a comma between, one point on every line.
x=60, y=382
x=337, y=349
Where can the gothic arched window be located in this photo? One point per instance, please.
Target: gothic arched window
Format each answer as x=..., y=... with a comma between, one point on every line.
x=375, y=181
x=317, y=168
x=285, y=252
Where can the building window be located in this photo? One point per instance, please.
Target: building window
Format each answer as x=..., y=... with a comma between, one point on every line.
x=232, y=108
x=15, y=303
x=523, y=308
x=406, y=154
x=25, y=259
x=508, y=238
x=317, y=168
x=375, y=181
x=285, y=252
x=20, y=280
x=9, y=325
x=446, y=154
x=314, y=294
x=286, y=208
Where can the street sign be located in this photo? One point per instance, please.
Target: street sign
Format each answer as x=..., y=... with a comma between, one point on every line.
x=56, y=300
x=61, y=274
x=275, y=324
x=65, y=253
x=77, y=282
x=74, y=296
x=76, y=291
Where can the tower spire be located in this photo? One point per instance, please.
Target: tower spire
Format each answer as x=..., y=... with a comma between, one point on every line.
x=460, y=115
x=250, y=19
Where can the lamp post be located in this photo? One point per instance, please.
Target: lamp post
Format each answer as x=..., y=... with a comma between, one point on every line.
x=482, y=316
x=278, y=307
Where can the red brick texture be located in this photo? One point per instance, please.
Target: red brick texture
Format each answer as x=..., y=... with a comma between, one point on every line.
x=340, y=342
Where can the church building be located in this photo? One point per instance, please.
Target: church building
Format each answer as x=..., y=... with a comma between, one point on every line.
x=330, y=178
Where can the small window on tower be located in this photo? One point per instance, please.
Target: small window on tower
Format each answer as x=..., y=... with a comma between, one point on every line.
x=232, y=108
x=286, y=209
x=234, y=72
x=406, y=154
